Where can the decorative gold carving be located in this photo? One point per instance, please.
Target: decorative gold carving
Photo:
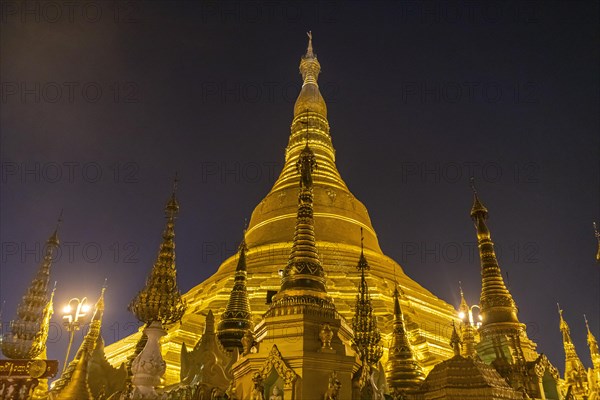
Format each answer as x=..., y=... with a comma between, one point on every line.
x=258, y=388
x=275, y=361
x=325, y=336
x=333, y=388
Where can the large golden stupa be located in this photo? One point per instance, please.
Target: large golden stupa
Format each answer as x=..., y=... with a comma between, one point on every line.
x=339, y=217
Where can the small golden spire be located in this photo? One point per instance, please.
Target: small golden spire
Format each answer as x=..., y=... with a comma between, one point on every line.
x=597, y=234
x=575, y=373
x=367, y=337
x=593, y=346
x=304, y=269
x=237, y=318
x=402, y=369
x=160, y=300
x=28, y=333
x=497, y=304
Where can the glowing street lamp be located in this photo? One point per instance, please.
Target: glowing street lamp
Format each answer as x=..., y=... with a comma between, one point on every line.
x=471, y=320
x=71, y=317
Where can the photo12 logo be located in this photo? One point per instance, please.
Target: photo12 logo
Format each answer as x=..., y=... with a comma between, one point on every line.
x=69, y=172
x=69, y=92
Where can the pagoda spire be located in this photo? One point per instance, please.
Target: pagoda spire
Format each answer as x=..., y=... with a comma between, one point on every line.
x=593, y=345
x=402, y=369
x=28, y=333
x=237, y=318
x=497, y=304
x=310, y=97
x=304, y=270
x=86, y=348
x=367, y=337
x=160, y=300
x=575, y=373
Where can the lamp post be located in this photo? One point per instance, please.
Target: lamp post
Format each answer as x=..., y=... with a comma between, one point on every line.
x=71, y=317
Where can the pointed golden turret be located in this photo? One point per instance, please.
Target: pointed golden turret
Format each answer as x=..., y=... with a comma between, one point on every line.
x=87, y=347
x=160, y=300
x=575, y=374
x=237, y=318
x=367, y=337
x=28, y=333
x=497, y=304
x=593, y=345
x=304, y=271
x=403, y=371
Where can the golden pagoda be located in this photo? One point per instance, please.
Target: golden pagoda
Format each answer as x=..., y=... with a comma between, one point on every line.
x=337, y=214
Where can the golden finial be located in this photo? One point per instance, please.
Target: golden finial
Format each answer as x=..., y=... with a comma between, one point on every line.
x=309, y=96
x=478, y=208
x=597, y=234
x=587, y=325
x=53, y=239
x=309, y=49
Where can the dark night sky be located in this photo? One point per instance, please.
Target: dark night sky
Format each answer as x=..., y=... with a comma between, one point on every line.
x=420, y=96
